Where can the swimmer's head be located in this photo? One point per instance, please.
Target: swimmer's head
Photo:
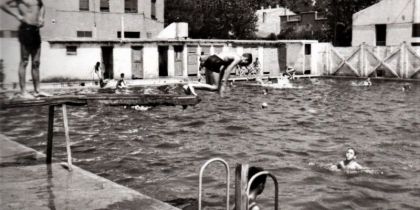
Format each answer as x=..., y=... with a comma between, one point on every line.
x=258, y=183
x=350, y=154
x=246, y=59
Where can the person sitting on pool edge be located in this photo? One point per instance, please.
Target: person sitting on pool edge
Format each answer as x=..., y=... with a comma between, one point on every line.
x=121, y=82
x=217, y=71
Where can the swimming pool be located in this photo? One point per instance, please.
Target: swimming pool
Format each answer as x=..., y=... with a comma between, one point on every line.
x=159, y=152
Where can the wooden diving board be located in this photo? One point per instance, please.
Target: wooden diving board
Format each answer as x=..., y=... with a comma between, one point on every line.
x=106, y=99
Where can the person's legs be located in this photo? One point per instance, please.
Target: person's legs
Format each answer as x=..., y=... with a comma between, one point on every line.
x=35, y=55
x=24, y=59
x=212, y=81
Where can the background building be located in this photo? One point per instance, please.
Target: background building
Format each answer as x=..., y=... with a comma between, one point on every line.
x=269, y=20
x=389, y=22
x=95, y=19
x=304, y=24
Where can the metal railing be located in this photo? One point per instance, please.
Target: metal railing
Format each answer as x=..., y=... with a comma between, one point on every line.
x=276, y=187
x=200, y=183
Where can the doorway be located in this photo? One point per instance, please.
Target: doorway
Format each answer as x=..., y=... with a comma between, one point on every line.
x=163, y=61
x=380, y=34
x=108, y=62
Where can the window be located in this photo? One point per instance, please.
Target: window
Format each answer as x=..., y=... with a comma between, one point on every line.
x=264, y=17
x=104, y=6
x=84, y=33
x=153, y=12
x=415, y=44
x=84, y=5
x=130, y=6
x=307, y=49
x=129, y=34
x=71, y=50
x=416, y=30
x=1, y=33
x=380, y=34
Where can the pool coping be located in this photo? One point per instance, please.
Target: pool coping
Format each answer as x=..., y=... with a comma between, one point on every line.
x=26, y=182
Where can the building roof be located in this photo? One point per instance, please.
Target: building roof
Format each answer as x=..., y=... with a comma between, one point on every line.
x=387, y=12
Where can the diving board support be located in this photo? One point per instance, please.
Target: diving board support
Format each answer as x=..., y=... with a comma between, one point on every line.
x=200, y=182
x=50, y=133
x=276, y=188
x=66, y=131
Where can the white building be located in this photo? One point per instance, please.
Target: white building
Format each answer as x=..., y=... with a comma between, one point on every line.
x=269, y=20
x=389, y=22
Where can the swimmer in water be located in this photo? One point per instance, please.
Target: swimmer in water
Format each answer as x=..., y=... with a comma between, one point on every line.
x=367, y=82
x=256, y=188
x=350, y=164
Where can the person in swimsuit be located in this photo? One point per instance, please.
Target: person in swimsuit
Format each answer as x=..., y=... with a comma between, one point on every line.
x=30, y=13
x=217, y=71
x=349, y=164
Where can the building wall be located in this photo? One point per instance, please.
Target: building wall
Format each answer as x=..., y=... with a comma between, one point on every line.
x=398, y=15
x=63, y=19
x=122, y=61
x=306, y=21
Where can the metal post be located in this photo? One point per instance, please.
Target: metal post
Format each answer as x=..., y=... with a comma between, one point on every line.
x=241, y=179
x=50, y=133
x=66, y=131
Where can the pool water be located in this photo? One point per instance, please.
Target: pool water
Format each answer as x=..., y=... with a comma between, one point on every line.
x=159, y=152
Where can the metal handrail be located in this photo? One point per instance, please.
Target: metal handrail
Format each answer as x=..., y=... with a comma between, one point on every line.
x=276, y=187
x=201, y=180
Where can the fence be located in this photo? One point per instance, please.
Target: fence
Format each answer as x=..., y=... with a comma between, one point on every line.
x=370, y=61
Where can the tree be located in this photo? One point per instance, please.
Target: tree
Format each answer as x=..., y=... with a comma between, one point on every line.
x=234, y=19
x=340, y=15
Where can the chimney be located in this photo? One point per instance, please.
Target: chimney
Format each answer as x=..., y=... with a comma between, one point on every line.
x=277, y=6
x=269, y=7
x=262, y=7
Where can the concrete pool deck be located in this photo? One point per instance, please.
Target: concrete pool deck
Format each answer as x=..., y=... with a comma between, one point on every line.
x=26, y=182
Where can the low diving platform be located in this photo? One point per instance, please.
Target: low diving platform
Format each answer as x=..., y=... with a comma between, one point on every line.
x=105, y=99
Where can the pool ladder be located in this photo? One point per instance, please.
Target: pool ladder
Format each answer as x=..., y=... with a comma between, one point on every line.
x=240, y=199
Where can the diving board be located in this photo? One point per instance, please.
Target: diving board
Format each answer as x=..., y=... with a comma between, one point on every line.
x=106, y=99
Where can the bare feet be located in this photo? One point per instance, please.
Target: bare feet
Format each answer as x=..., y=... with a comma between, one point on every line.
x=42, y=94
x=24, y=95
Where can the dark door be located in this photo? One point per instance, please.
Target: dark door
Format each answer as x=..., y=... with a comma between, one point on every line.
x=380, y=34
x=137, y=62
x=108, y=62
x=163, y=61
